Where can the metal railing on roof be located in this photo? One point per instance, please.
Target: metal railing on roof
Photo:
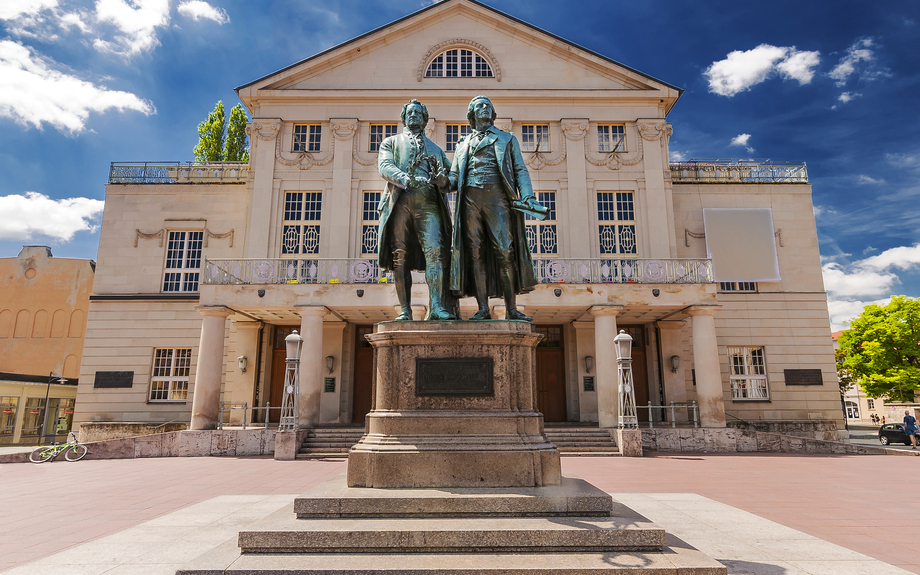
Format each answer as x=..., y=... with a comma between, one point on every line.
x=177, y=172
x=751, y=171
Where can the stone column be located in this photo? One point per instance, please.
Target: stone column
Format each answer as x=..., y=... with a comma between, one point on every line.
x=576, y=196
x=675, y=384
x=311, y=365
x=240, y=387
x=262, y=134
x=206, y=396
x=654, y=133
x=706, y=364
x=605, y=363
x=338, y=201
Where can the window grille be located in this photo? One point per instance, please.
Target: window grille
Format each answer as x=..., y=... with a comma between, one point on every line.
x=748, y=373
x=541, y=235
x=183, y=261
x=535, y=137
x=369, y=222
x=616, y=218
x=738, y=286
x=459, y=63
x=297, y=236
x=611, y=138
x=455, y=133
x=379, y=132
x=307, y=137
x=170, y=374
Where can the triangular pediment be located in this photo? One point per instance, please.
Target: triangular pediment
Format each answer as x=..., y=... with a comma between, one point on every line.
x=395, y=57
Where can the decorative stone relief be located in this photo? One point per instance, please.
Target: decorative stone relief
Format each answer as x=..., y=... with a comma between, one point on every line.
x=343, y=130
x=613, y=160
x=459, y=43
x=652, y=131
x=149, y=236
x=265, y=130
x=209, y=234
x=360, y=157
x=575, y=129
x=504, y=124
x=778, y=234
x=305, y=160
x=538, y=160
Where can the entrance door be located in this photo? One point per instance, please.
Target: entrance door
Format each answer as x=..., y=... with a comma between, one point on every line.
x=639, y=368
x=551, y=373
x=276, y=383
x=364, y=374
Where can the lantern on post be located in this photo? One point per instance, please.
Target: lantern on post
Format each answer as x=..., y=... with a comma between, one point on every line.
x=293, y=344
x=626, y=406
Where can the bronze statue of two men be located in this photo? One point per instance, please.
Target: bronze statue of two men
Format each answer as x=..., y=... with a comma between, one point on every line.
x=485, y=254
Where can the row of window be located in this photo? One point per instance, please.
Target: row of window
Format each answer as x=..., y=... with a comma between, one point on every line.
x=534, y=137
x=747, y=373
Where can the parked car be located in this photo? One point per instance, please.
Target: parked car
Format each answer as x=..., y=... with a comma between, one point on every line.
x=892, y=433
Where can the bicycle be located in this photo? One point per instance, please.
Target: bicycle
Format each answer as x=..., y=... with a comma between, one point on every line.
x=72, y=450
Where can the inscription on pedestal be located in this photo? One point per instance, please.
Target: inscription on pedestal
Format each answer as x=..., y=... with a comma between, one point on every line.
x=453, y=376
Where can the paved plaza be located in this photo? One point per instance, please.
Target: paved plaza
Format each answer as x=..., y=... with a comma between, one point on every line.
x=764, y=514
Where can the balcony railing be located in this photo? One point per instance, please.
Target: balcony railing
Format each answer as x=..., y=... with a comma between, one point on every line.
x=366, y=271
x=177, y=173
x=739, y=171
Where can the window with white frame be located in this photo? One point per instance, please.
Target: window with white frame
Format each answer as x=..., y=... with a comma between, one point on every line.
x=455, y=133
x=870, y=403
x=611, y=138
x=379, y=132
x=183, y=261
x=535, y=137
x=307, y=137
x=300, y=229
x=541, y=235
x=748, y=373
x=370, y=219
x=459, y=63
x=616, y=217
x=738, y=286
x=170, y=374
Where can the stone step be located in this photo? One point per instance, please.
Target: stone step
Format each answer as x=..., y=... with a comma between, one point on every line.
x=319, y=444
x=602, y=444
x=593, y=453
x=323, y=454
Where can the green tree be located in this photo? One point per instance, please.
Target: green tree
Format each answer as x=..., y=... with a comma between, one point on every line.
x=218, y=142
x=882, y=349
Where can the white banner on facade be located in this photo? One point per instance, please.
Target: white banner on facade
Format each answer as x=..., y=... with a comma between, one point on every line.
x=741, y=244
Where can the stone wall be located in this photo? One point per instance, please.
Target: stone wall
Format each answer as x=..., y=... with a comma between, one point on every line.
x=815, y=429
x=744, y=440
x=91, y=431
x=186, y=443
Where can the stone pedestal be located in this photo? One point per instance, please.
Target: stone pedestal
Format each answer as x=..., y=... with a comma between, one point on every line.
x=454, y=406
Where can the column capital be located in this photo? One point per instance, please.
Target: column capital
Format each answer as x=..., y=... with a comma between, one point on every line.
x=671, y=324
x=311, y=310
x=213, y=310
x=608, y=310
x=696, y=310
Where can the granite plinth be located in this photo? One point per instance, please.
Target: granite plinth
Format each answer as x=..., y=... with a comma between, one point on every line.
x=419, y=439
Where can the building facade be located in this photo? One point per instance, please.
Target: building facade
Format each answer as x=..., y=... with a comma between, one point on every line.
x=204, y=270
x=43, y=311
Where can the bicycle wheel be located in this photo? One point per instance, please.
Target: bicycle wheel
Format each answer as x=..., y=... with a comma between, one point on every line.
x=75, y=453
x=41, y=454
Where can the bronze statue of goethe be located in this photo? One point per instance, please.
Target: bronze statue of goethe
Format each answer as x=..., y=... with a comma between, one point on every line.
x=415, y=230
x=490, y=255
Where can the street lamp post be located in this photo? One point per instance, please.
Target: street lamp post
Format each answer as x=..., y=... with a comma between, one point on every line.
x=626, y=406
x=293, y=344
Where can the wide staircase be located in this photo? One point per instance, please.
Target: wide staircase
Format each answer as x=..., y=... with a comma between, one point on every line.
x=329, y=442
x=581, y=440
x=572, y=440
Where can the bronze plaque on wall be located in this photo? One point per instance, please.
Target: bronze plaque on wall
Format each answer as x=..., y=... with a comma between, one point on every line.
x=113, y=379
x=803, y=377
x=453, y=376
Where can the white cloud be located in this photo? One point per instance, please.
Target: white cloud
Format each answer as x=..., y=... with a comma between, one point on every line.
x=137, y=21
x=198, y=9
x=847, y=96
x=12, y=9
x=676, y=156
x=856, y=282
x=25, y=216
x=903, y=257
x=858, y=52
x=32, y=93
x=842, y=311
x=741, y=70
x=742, y=140
x=869, y=180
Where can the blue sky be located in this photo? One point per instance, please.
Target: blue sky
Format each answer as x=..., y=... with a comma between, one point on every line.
x=835, y=84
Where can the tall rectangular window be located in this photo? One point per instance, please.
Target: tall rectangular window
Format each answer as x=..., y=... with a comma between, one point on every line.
x=300, y=229
x=611, y=138
x=535, y=137
x=169, y=381
x=183, y=261
x=748, y=373
x=616, y=217
x=456, y=132
x=369, y=221
x=541, y=235
x=379, y=132
x=307, y=137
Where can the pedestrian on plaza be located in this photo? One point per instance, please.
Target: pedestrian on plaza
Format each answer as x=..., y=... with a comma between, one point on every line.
x=910, y=428
x=883, y=420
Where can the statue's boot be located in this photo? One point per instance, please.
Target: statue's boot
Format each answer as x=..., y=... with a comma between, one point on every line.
x=482, y=294
x=403, y=282
x=511, y=311
x=434, y=276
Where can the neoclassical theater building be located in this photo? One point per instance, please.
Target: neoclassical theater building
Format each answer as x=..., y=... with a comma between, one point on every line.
x=711, y=266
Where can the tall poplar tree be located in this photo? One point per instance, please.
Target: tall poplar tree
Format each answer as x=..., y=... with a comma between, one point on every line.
x=220, y=142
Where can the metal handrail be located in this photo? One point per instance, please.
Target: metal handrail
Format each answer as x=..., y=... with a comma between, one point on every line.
x=245, y=407
x=764, y=171
x=693, y=413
